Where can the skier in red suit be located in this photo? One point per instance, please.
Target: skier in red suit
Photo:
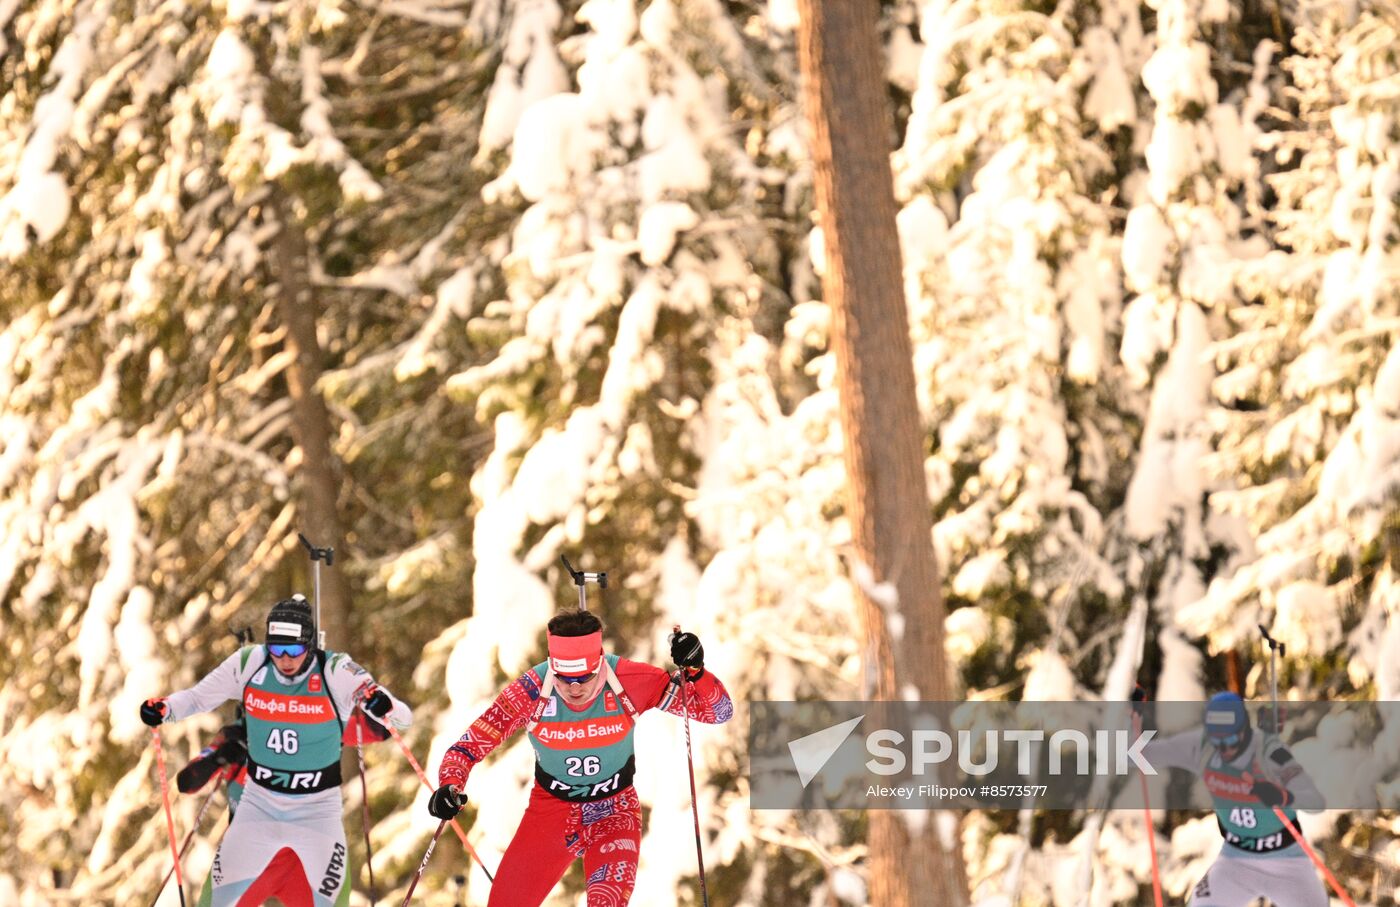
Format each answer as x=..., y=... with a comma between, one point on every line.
x=579, y=709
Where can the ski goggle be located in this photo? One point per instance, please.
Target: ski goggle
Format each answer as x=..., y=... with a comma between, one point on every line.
x=576, y=678
x=287, y=650
x=1229, y=741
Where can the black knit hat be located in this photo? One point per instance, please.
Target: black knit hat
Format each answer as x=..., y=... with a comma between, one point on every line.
x=291, y=621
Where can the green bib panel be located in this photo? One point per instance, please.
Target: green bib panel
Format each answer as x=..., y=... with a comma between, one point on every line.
x=585, y=755
x=293, y=731
x=1246, y=823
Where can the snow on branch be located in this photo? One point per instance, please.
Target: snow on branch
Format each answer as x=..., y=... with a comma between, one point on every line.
x=38, y=199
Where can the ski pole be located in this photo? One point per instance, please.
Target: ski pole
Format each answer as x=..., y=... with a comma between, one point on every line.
x=690, y=766
x=1307, y=848
x=1276, y=651
x=317, y=555
x=169, y=818
x=189, y=837
x=1147, y=821
x=427, y=855
x=581, y=580
x=364, y=802
x=461, y=835
x=1151, y=843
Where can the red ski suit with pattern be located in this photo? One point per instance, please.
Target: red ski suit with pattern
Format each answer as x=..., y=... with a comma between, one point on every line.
x=555, y=832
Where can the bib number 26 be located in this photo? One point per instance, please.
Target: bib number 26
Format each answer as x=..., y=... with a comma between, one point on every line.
x=283, y=740
x=580, y=767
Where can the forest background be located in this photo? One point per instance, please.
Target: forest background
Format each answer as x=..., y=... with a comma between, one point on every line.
x=459, y=286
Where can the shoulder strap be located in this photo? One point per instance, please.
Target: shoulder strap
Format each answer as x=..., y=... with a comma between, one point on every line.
x=1207, y=751
x=616, y=686
x=326, y=685
x=239, y=714
x=266, y=660
x=1261, y=763
x=546, y=691
x=610, y=678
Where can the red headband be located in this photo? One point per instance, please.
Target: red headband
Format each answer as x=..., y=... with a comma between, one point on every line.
x=575, y=655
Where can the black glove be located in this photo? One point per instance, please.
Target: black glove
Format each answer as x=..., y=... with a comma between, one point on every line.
x=1139, y=699
x=1270, y=794
x=378, y=703
x=232, y=749
x=195, y=775
x=205, y=765
x=153, y=712
x=686, y=650
x=446, y=802
x=227, y=748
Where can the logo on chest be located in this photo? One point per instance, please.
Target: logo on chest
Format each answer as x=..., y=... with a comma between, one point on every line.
x=314, y=684
x=282, y=708
x=585, y=734
x=551, y=708
x=1228, y=787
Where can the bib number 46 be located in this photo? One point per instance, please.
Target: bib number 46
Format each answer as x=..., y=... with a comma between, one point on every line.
x=283, y=740
x=582, y=767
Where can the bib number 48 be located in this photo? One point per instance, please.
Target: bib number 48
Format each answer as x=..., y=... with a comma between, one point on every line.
x=1244, y=818
x=283, y=740
x=582, y=767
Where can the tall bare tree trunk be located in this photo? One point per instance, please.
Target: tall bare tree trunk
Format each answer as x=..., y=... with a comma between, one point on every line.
x=311, y=423
x=888, y=504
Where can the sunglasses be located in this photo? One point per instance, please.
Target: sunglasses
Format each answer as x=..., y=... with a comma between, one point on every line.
x=1232, y=740
x=292, y=650
x=576, y=678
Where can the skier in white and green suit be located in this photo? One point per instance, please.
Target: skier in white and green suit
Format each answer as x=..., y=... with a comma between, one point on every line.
x=1248, y=773
x=287, y=839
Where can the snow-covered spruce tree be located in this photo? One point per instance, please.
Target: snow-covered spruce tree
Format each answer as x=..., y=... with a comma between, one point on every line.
x=1012, y=280
x=1192, y=220
x=1182, y=239
x=139, y=484
x=1308, y=384
x=1012, y=268
x=1307, y=401
x=152, y=159
x=636, y=247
